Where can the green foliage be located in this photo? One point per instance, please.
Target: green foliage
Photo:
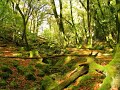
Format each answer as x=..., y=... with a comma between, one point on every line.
x=99, y=47
x=8, y=22
x=41, y=73
x=40, y=66
x=47, y=83
x=44, y=36
x=21, y=69
x=30, y=76
x=4, y=75
x=15, y=63
x=3, y=83
x=6, y=68
x=31, y=68
x=13, y=84
x=106, y=83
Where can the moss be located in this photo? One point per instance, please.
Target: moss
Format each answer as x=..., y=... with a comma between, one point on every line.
x=3, y=83
x=30, y=76
x=106, y=85
x=6, y=68
x=39, y=66
x=21, y=69
x=41, y=73
x=27, y=86
x=31, y=68
x=13, y=84
x=99, y=47
x=4, y=75
x=84, y=78
x=15, y=63
x=47, y=83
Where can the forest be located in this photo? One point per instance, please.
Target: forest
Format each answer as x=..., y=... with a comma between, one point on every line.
x=59, y=44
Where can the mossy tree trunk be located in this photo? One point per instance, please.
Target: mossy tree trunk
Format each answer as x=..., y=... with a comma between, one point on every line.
x=73, y=24
x=89, y=25
x=57, y=17
x=77, y=73
x=112, y=71
x=118, y=20
x=112, y=80
x=25, y=15
x=25, y=21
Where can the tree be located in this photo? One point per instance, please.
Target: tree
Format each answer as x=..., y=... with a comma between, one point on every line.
x=112, y=79
x=58, y=18
x=89, y=34
x=8, y=21
x=73, y=24
x=25, y=17
x=118, y=21
x=89, y=24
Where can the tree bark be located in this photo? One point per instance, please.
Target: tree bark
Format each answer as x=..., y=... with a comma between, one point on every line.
x=61, y=18
x=58, y=19
x=112, y=80
x=73, y=24
x=112, y=70
x=118, y=20
x=88, y=24
x=24, y=36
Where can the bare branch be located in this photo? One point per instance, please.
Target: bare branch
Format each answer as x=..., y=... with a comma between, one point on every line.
x=83, y=5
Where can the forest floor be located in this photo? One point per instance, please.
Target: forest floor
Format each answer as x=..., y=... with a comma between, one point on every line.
x=27, y=74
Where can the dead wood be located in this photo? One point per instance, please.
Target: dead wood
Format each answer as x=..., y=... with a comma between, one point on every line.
x=77, y=73
x=42, y=56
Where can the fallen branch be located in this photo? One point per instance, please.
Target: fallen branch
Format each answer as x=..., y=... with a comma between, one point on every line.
x=79, y=72
x=3, y=45
x=42, y=56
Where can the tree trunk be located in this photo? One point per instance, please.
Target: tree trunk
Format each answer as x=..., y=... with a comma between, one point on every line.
x=112, y=80
x=103, y=17
x=24, y=36
x=58, y=19
x=61, y=21
x=73, y=24
x=118, y=21
x=88, y=23
x=108, y=2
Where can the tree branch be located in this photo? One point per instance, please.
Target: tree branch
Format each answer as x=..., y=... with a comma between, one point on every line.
x=83, y=5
